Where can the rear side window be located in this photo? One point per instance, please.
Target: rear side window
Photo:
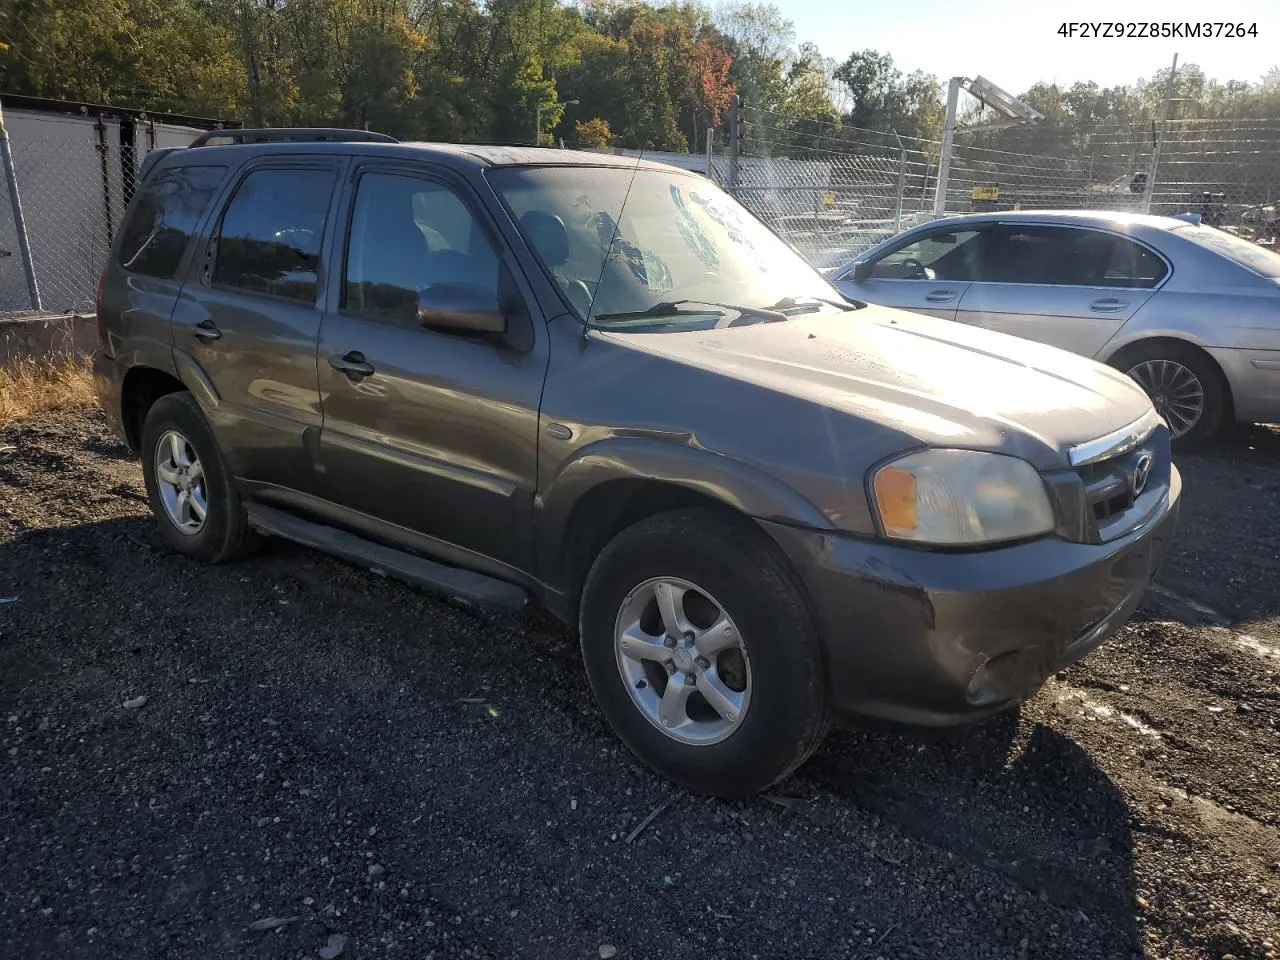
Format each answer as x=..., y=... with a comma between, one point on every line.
x=1067, y=256
x=163, y=217
x=269, y=239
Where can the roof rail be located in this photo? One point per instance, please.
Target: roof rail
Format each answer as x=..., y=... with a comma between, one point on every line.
x=286, y=134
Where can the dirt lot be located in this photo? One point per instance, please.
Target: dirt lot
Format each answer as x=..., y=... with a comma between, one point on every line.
x=327, y=748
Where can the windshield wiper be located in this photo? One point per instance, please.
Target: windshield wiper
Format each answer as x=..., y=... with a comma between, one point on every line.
x=671, y=308
x=791, y=303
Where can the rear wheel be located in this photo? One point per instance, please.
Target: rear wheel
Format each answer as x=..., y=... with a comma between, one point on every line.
x=702, y=652
x=188, y=485
x=1185, y=387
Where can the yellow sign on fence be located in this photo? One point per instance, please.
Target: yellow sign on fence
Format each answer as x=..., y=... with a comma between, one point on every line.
x=986, y=191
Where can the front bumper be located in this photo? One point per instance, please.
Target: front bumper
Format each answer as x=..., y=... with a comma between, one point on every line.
x=934, y=638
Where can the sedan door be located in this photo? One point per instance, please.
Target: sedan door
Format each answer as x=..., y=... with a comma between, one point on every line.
x=928, y=273
x=1070, y=287
x=432, y=431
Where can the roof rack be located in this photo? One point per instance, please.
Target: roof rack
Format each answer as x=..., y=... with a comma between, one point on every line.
x=287, y=134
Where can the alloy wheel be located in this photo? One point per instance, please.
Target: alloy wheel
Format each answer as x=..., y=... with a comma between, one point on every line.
x=1175, y=391
x=683, y=661
x=181, y=482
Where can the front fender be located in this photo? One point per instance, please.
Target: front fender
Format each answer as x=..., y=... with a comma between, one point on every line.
x=731, y=482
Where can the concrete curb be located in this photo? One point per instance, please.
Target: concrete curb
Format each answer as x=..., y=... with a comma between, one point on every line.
x=47, y=336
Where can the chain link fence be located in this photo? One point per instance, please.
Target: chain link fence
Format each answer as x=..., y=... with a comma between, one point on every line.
x=74, y=177
x=828, y=190
x=834, y=190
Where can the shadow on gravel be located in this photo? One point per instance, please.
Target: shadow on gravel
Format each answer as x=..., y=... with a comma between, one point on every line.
x=1023, y=801
x=1226, y=558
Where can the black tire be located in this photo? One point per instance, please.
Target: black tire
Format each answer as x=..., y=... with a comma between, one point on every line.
x=787, y=714
x=1216, y=396
x=225, y=533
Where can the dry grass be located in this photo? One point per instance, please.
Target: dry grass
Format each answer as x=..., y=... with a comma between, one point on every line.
x=30, y=386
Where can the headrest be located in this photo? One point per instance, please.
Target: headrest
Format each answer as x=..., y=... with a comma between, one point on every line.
x=547, y=235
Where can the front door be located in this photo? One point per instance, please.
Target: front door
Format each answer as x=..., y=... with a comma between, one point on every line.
x=434, y=432
x=247, y=326
x=1068, y=287
x=929, y=273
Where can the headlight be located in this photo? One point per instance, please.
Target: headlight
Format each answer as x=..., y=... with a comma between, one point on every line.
x=950, y=497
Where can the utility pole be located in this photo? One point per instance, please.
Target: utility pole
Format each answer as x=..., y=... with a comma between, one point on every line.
x=251, y=65
x=1170, y=88
x=735, y=145
x=948, y=138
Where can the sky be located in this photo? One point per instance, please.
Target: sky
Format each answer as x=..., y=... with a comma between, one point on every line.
x=1015, y=43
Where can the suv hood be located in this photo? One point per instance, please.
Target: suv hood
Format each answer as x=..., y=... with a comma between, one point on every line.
x=940, y=382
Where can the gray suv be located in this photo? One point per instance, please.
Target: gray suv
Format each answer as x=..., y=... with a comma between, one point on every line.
x=507, y=373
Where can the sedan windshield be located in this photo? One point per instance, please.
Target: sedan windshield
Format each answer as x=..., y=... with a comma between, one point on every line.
x=651, y=249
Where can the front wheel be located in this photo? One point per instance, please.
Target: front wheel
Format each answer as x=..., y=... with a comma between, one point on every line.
x=701, y=650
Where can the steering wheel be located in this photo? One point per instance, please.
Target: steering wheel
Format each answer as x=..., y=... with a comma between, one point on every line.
x=578, y=293
x=915, y=268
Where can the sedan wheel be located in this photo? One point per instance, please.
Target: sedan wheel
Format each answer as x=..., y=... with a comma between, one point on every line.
x=683, y=661
x=1175, y=391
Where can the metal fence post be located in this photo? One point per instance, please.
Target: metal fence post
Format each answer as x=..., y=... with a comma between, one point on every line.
x=1170, y=89
x=948, y=137
x=19, y=224
x=735, y=119
x=902, y=179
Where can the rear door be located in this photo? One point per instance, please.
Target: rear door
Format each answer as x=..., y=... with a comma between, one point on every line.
x=1071, y=287
x=435, y=432
x=143, y=281
x=928, y=273
x=246, y=326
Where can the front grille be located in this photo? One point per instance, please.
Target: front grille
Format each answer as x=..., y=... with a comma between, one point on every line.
x=1114, y=495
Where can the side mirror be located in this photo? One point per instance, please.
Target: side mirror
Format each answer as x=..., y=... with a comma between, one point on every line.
x=460, y=307
x=861, y=270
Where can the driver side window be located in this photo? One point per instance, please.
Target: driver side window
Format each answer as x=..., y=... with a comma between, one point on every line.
x=941, y=255
x=408, y=234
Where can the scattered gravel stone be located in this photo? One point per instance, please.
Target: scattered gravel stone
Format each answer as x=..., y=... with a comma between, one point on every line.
x=1037, y=825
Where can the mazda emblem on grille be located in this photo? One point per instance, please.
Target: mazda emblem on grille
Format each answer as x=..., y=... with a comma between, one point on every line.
x=1141, y=474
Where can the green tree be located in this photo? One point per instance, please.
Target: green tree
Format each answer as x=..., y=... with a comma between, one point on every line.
x=593, y=134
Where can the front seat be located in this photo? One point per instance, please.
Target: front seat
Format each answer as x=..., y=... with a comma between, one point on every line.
x=394, y=265
x=549, y=238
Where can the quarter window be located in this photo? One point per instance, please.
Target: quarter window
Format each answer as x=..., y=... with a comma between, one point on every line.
x=271, y=233
x=408, y=234
x=162, y=219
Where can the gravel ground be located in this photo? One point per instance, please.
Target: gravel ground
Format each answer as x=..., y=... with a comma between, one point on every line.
x=327, y=758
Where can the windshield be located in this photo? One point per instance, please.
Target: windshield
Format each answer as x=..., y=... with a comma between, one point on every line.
x=644, y=249
x=1256, y=258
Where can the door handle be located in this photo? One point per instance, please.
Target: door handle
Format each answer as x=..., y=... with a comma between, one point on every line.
x=940, y=296
x=206, y=329
x=1108, y=305
x=353, y=364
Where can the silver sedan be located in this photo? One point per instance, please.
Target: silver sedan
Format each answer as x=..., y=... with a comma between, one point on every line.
x=1190, y=312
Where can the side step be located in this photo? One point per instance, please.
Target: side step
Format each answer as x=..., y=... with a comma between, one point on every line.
x=465, y=585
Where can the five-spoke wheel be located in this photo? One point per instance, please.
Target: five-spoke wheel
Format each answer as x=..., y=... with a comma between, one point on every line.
x=682, y=658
